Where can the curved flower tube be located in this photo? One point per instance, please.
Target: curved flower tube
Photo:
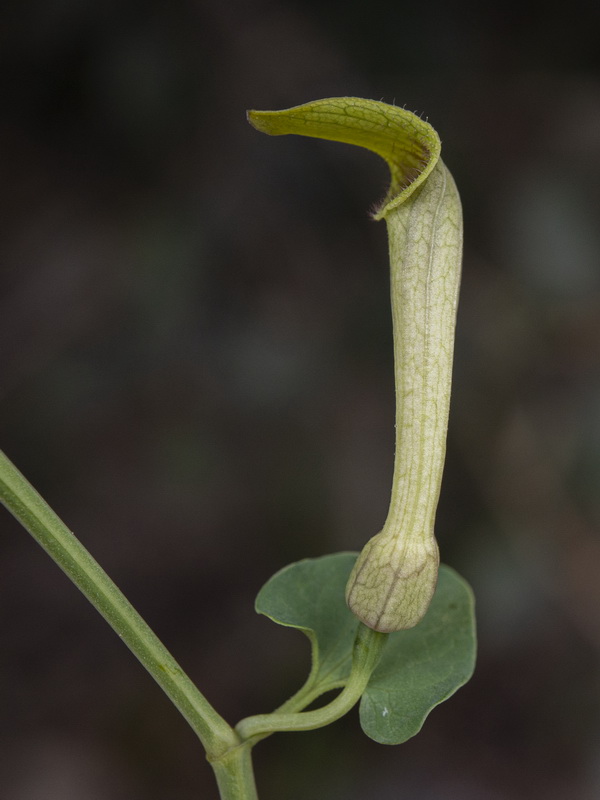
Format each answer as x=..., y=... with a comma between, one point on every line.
x=395, y=576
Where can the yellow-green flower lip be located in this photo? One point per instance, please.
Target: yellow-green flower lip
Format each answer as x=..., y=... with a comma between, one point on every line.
x=409, y=145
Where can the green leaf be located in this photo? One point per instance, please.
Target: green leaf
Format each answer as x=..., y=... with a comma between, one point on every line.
x=420, y=667
x=423, y=666
x=309, y=596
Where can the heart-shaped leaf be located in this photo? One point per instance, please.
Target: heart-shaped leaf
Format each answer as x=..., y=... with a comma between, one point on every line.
x=423, y=666
x=309, y=595
x=420, y=667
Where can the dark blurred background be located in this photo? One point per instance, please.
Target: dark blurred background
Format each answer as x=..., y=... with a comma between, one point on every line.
x=196, y=372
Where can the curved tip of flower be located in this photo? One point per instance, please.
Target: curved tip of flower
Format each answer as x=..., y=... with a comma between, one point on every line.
x=409, y=145
x=253, y=118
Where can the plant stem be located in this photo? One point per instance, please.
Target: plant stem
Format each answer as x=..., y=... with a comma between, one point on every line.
x=368, y=646
x=234, y=773
x=22, y=500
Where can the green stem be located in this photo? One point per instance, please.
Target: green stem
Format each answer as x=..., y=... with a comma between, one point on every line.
x=234, y=773
x=296, y=703
x=368, y=646
x=22, y=500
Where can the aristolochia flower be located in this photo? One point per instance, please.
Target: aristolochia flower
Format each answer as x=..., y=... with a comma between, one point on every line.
x=394, y=579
